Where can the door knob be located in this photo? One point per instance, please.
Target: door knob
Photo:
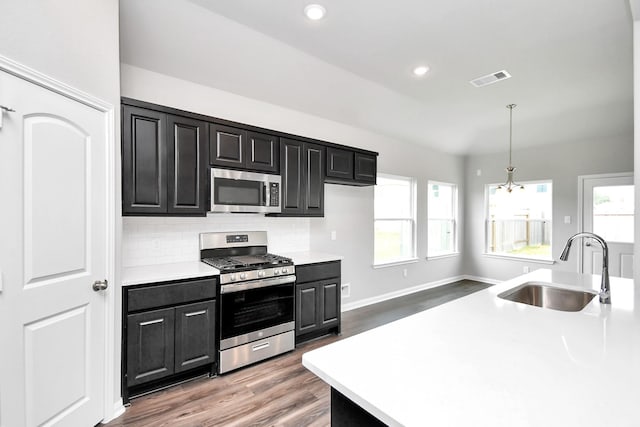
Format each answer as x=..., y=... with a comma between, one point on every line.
x=100, y=285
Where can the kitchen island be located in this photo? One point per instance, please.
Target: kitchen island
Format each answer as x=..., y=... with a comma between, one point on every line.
x=485, y=361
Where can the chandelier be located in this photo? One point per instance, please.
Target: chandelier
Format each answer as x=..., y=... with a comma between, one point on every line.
x=510, y=184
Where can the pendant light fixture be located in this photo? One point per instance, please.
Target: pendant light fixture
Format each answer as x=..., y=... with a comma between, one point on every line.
x=510, y=184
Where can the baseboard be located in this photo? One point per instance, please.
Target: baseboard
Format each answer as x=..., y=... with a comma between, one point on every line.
x=482, y=279
x=118, y=409
x=402, y=292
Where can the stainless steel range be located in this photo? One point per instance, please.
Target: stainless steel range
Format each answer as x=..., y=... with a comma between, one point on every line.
x=257, y=290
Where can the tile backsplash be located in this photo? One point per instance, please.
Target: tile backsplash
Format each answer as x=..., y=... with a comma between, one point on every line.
x=150, y=240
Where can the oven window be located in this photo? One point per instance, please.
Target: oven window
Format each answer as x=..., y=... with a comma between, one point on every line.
x=237, y=192
x=255, y=309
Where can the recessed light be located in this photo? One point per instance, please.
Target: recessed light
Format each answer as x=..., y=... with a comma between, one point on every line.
x=421, y=70
x=315, y=12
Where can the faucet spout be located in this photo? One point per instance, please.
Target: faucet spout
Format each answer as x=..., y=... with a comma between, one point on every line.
x=605, y=287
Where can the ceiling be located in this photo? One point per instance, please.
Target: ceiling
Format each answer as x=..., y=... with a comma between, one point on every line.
x=570, y=61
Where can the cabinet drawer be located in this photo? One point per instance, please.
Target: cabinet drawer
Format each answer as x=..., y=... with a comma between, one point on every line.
x=162, y=295
x=319, y=271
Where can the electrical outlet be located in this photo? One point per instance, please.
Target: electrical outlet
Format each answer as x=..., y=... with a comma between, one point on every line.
x=345, y=290
x=334, y=235
x=525, y=269
x=404, y=272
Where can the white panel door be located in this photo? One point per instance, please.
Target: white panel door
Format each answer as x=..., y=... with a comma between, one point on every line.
x=608, y=211
x=53, y=193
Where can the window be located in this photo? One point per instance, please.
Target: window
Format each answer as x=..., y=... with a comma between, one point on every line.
x=395, y=219
x=613, y=213
x=519, y=223
x=442, y=201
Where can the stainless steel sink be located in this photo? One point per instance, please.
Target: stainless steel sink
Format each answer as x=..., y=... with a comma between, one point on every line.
x=547, y=296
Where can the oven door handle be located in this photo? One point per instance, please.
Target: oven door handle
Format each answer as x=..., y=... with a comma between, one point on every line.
x=254, y=284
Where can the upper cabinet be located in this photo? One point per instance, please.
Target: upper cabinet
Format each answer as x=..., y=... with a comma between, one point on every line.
x=167, y=154
x=241, y=149
x=350, y=167
x=302, y=171
x=163, y=171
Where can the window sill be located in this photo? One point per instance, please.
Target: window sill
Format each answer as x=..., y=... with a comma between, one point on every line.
x=520, y=258
x=448, y=255
x=394, y=263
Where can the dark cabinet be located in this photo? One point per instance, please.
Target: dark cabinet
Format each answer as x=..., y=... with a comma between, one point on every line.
x=144, y=161
x=194, y=335
x=317, y=300
x=339, y=164
x=302, y=171
x=163, y=166
x=169, y=331
x=263, y=152
x=186, y=168
x=350, y=167
x=150, y=346
x=365, y=168
x=240, y=149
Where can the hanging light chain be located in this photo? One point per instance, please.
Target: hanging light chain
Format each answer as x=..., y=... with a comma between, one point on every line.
x=510, y=182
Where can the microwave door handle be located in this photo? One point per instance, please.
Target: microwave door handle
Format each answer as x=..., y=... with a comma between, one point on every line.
x=264, y=194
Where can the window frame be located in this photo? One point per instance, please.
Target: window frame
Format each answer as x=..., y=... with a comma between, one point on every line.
x=413, y=221
x=454, y=210
x=506, y=255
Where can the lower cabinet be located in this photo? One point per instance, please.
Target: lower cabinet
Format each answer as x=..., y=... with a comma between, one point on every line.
x=165, y=345
x=317, y=300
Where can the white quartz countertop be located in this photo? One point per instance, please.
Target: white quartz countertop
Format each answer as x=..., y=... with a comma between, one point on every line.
x=485, y=361
x=311, y=257
x=166, y=272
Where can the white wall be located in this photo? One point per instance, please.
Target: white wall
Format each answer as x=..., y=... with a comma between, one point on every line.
x=562, y=164
x=75, y=42
x=348, y=210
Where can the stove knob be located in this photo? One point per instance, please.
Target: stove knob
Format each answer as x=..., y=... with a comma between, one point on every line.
x=232, y=277
x=276, y=272
x=243, y=276
x=284, y=271
x=260, y=273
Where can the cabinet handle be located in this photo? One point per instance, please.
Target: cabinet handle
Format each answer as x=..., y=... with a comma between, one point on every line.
x=196, y=313
x=260, y=346
x=151, y=322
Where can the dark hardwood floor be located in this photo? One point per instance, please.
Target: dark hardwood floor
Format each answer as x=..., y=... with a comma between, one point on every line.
x=280, y=391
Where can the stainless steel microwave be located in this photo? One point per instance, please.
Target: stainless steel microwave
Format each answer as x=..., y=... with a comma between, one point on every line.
x=247, y=192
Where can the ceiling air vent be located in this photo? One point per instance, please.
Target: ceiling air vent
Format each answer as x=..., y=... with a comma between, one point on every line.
x=490, y=78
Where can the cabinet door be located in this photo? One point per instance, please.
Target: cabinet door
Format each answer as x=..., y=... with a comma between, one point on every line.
x=186, y=164
x=263, y=152
x=195, y=335
x=306, y=308
x=144, y=159
x=330, y=304
x=150, y=345
x=226, y=146
x=365, y=168
x=291, y=171
x=314, y=180
x=339, y=164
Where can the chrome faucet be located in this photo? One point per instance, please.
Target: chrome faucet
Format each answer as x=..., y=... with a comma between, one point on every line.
x=605, y=288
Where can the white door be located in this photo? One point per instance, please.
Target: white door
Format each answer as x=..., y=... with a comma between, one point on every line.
x=608, y=211
x=53, y=244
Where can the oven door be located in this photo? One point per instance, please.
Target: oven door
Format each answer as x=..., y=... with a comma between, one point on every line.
x=255, y=312
x=237, y=191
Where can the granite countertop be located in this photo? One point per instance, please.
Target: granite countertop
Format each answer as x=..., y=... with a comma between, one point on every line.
x=485, y=361
x=166, y=272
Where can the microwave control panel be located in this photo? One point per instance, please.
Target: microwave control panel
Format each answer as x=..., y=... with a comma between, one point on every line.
x=274, y=194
